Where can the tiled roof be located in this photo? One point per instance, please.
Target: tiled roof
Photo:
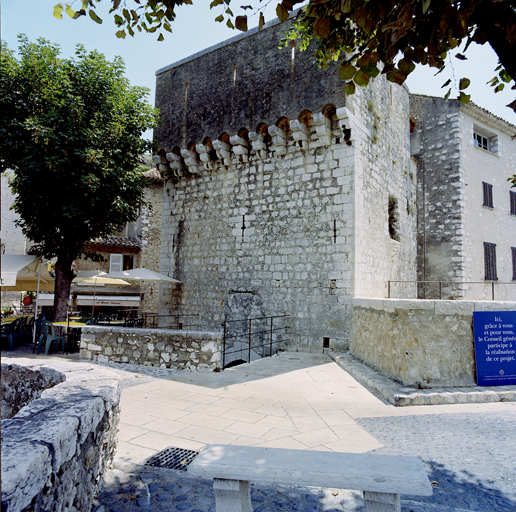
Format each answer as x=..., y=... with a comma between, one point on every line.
x=115, y=241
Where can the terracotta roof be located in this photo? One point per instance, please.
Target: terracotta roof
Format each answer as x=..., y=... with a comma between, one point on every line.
x=153, y=175
x=115, y=241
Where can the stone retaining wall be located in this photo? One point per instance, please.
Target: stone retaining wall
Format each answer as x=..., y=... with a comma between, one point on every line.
x=56, y=449
x=152, y=347
x=422, y=343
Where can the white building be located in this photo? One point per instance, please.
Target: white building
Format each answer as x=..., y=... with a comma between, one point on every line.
x=466, y=206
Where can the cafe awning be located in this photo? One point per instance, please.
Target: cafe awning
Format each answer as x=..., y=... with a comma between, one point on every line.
x=108, y=300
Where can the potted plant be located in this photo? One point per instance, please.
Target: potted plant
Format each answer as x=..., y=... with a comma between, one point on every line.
x=7, y=310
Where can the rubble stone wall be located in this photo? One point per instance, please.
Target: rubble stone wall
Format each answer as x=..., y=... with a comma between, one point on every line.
x=56, y=449
x=152, y=347
x=294, y=181
x=422, y=343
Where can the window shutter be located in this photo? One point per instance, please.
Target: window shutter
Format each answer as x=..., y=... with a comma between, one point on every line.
x=490, y=261
x=487, y=190
x=115, y=262
x=512, y=195
x=513, y=263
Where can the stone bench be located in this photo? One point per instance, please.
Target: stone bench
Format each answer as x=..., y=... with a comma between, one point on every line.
x=382, y=478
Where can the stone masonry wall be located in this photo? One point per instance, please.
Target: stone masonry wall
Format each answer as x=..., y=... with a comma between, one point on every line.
x=151, y=219
x=435, y=144
x=422, y=343
x=57, y=448
x=286, y=212
x=152, y=347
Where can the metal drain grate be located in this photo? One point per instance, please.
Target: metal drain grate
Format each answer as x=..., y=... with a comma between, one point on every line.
x=172, y=458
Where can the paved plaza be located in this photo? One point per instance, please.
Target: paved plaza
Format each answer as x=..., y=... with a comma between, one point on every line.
x=306, y=402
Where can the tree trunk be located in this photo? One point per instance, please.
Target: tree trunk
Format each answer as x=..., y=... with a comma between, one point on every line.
x=64, y=276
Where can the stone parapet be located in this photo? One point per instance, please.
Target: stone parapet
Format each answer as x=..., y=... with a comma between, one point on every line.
x=152, y=347
x=421, y=343
x=56, y=449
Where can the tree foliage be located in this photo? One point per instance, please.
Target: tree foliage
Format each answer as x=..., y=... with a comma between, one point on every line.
x=70, y=130
x=368, y=37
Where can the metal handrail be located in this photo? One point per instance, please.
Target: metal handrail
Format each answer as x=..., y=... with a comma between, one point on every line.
x=249, y=335
x=492, y=283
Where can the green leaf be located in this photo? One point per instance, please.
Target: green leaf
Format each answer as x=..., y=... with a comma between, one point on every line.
x=460, y=56
x=167, y=27
x=220, y=18
x=345, y=7
x=499, y=87
x=241, y=23
x=94, y=17
x=349, y=89
x=447, y=95
x=426, y=5
x=448, y=82
x=322, y=28
x=261, y=21
x=229, y=24
x=347, y=71
x=362, y=78
x=464, y=83
x=161, y=38
x=116, y=3
x=120, y=34
x=58, y=9
x=229, y=11
x=282, y=13
x=118, y=20
x=71, y=12
x=464, y=98
x=215, y=3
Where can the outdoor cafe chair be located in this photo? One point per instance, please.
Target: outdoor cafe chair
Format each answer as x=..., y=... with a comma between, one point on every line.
x=48, y=336
x=10, y=334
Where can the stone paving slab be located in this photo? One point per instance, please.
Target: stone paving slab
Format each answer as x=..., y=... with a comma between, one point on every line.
x=399, y=395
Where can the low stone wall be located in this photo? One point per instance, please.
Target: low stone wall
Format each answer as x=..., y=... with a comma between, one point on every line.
x=152, y=347
x=56, y=449
x=21, y=385
x=421, y=343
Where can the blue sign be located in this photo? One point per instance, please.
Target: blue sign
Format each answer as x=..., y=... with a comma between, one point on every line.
x=495, y=347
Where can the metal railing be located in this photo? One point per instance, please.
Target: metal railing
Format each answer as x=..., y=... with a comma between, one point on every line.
x=454, y=290
x=144, y=320
x=253, y=338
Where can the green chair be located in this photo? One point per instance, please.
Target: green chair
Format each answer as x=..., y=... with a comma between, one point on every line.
x=48, y=336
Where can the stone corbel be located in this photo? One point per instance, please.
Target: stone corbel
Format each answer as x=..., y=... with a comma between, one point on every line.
x=207, y=156
x=223, y=151
x=258, y=145
x=176, y=164
x=279, y=140
x=240, y=148
x=323, y=129
x=191, y=160
x=300, y=133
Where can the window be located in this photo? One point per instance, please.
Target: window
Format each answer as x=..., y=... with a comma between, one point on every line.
x=490, y=261
x=513, y=249
x=115, y=262
x=512, y=196
x=481, y=141
x=393, y=219
x=487, y=190
x=485, y=139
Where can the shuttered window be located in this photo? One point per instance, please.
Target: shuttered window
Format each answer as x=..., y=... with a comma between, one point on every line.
x=490, y=261
x=513, y=263
x=487, y=189
x=116, y=262
x=513, y=202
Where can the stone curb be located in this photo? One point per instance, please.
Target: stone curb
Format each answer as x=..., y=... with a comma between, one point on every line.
x=399, y=395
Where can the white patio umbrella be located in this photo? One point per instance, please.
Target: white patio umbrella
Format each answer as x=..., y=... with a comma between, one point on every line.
x=23, y=272
x=142, y=274
x=96, y=277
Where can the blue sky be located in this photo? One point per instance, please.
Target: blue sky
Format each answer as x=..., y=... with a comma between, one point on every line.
x=195, y=29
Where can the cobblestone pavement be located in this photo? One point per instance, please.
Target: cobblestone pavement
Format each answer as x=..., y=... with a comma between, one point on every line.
x=470, y=459
x=469, y=450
